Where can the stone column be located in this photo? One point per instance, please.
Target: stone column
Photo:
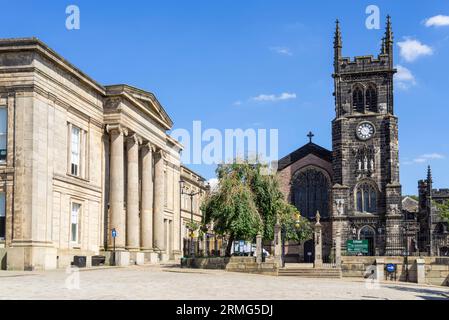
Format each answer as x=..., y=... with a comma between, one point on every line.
x=259, y=250
x=318, y=243
x=420, y=271
x=338, y=247
x=380, y=267
x=132, y=198
x=278, y=244
x=147, y=199
x=117, y=185
x=158, y=214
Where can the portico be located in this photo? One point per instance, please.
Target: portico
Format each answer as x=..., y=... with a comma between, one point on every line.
x=144, y=168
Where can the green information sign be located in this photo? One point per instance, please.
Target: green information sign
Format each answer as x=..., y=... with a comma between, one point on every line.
x=357, y=246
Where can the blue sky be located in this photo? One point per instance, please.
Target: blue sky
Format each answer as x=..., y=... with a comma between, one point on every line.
x=208, y=60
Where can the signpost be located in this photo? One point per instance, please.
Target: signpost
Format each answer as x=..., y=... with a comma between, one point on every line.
x=114, y=235
x=391, y=269
x=356, y=247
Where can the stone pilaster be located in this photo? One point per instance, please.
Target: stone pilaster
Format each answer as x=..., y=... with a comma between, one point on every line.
x=132, y=198
x=158, y=214
x=338, y=246
x=117, y=181
x=147, y=198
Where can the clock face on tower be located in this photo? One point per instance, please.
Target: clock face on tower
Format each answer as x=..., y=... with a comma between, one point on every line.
x=365, y=131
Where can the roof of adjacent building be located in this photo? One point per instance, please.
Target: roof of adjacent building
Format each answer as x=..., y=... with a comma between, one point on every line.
x=310, y=148
x=410, y=205
x=193, y=177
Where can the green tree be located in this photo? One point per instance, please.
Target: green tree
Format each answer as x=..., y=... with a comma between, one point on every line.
x=248, y=202
x=443, y=209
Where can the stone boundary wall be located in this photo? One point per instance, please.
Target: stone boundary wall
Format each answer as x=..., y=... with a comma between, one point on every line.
x=437, y=271
x=205, y=263
x=436, y=268
x=2, y=259
x=231, y=264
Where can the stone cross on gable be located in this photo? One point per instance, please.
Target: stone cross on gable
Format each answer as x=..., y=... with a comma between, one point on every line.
x=310, y=136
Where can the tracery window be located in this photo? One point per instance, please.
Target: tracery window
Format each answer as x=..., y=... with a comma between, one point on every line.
x=311, y=193
x=358, y=100
x=371, y=99
x=366, y=198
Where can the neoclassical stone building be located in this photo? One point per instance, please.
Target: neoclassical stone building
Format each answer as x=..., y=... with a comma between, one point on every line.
x=79, y=159
x=194, y=189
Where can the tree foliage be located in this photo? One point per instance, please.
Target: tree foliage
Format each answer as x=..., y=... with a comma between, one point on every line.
x=443, y=209
x=248, y=202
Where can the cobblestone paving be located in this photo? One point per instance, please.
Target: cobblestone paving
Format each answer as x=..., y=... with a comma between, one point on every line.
x=155, y=282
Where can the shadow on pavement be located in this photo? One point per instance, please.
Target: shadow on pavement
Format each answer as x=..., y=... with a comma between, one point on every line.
x=424, y=293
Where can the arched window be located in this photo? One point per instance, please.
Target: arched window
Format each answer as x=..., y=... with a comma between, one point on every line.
x=371, y=99
x=310, y=193
x=357, y=100
x=366, y=198
x=442, y=228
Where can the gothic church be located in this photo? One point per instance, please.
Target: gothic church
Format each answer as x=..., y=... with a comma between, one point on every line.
x=355, y=187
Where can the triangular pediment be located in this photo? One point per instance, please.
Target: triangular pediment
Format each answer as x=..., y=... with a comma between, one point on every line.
x=144, y=98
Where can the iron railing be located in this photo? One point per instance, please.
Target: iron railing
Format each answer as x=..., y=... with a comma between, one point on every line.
x=402, y=243
x=199, y=247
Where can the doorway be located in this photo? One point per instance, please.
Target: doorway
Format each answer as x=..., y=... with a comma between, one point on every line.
x=368, y=233
x=309, y=251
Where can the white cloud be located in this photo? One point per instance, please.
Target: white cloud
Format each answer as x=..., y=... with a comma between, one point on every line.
x=213, y=183
x=274, y=98
x=282, y=50
x=404, y=78
x=237, y=103
x=433, y=156
x=412, y=49
x=425, y=158
x=437, y=21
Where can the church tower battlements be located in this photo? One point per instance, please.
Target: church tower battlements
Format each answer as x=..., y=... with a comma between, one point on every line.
x=365, y=138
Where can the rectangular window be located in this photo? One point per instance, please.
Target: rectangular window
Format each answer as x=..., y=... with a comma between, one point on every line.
x=2, y=215
x=74, y=222
x=3, y=132
x=75, y=151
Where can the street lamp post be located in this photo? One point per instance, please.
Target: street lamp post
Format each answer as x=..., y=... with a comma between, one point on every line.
x=191, y=195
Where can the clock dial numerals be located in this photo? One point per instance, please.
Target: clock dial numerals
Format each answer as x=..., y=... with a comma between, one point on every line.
x=365, y=131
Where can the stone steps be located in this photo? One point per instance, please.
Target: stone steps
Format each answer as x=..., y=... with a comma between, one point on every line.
x=329, y=273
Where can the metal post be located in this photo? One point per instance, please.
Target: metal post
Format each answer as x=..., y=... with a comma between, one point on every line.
x=113, y=255
x=192, y=250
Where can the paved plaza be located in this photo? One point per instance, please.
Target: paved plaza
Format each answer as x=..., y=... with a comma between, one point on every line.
x=171, y=282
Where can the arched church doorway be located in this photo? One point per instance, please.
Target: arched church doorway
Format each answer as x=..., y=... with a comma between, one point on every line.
x=309, y=251
x=310, y=192
x=368, y=233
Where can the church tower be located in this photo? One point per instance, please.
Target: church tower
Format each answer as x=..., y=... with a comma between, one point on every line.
x=366, y=196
